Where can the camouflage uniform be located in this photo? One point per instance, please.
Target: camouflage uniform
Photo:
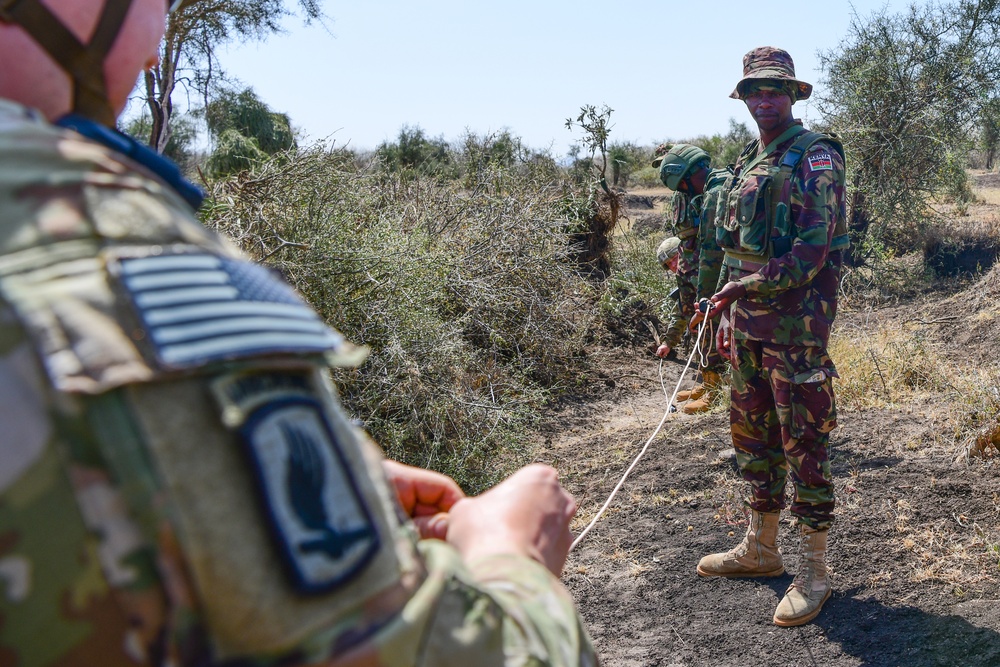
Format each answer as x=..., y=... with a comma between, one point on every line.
x=709, y=253
x=783, y=406
x=686, y=216
x=179, y=484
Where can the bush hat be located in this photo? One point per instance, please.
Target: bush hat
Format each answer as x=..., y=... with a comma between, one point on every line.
x=770, y=62
x=658, y=154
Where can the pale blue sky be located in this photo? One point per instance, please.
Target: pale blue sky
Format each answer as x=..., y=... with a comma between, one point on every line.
x=666, y=68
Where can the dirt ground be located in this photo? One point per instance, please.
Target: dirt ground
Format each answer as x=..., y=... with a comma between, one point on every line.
x=915, y=549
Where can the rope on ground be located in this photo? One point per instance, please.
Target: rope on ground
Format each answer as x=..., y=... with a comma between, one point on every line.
x=670, y=402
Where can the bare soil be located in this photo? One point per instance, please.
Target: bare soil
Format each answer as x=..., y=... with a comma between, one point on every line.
x=915, y=549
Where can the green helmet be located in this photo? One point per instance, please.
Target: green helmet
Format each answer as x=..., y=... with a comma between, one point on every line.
x=670, y=247
x=680, y=161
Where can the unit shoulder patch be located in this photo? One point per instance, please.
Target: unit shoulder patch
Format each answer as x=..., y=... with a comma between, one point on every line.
x=319, y=521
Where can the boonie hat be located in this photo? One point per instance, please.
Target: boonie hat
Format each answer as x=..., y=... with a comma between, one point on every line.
x=770, y=62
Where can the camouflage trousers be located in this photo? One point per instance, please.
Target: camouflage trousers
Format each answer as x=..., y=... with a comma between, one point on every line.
x=687, y=277
x=782, y=412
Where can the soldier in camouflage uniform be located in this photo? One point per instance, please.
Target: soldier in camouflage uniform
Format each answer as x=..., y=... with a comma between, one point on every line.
x=685, y=170
x=179, y=485
x=783, y=230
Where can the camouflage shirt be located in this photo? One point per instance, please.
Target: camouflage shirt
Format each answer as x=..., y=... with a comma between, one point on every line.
x=791, y=297
x=179, y=483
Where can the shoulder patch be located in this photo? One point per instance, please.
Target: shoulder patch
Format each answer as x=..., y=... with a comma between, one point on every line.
x=820, y=162
x=318, y=519
x=196, y=308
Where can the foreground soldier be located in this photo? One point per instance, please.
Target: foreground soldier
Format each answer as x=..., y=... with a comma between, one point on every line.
x=685, y=170
x=783, y=233
x=179, y=485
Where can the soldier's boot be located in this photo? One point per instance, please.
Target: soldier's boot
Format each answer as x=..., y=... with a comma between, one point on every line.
x=703, y=401
x=694, y=392
x=756, y=556
x=811, y=587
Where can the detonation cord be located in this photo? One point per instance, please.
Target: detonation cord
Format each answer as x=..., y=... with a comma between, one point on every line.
x=705, y=324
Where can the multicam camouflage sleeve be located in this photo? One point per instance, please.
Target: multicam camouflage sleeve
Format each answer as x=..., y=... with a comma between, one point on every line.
x=179, y=484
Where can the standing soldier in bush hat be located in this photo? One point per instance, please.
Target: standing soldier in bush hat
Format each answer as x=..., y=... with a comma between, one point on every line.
x=179, y=484
x=685, y=170
x=783, y=230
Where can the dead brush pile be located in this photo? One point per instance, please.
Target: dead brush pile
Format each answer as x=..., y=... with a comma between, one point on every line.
x=461, y=290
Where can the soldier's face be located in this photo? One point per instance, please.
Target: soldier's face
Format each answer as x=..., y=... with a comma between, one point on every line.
x=672, y=263
x=770, y=107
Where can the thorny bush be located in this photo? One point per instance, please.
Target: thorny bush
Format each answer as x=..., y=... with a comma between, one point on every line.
x=460, y=289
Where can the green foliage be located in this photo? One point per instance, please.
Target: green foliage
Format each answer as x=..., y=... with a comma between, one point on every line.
x=413, y=153
x=596, y=125
x=188, y=50
x=625, y=158
x=906, y=91
x=180, y=147
x=245, y=131
x=636, y=292
x=464, y=296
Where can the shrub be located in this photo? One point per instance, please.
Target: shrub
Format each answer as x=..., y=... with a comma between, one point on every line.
x=464, y=297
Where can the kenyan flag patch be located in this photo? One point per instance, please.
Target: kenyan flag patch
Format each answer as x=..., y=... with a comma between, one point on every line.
x=820, y=162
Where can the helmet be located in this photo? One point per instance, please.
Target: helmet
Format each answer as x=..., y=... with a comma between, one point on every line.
x=667, y=250
x=679, y=162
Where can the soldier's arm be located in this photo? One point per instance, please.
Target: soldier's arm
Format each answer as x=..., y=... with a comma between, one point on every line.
x=817, y=194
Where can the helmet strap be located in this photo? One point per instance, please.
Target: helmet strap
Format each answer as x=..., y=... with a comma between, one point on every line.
x=83, y=63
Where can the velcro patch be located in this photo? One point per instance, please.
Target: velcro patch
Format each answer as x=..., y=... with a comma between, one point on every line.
x=318, y=518
x=199, y=307
x=820, y=162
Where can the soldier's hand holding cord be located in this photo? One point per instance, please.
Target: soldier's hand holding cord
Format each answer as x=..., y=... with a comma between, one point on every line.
x=527, y=514
x=426, y=496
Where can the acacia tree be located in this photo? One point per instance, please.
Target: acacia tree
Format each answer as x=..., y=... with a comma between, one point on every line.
x=905, y=91
x=245, y=130
x=188, y=50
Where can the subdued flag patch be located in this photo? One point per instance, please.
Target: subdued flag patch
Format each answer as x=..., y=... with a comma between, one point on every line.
x=198, y=307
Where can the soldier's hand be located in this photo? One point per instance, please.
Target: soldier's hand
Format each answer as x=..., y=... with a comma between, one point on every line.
x=729, y=293
x=663, y=351
x=526, y=514
x=426, y=496
x=723, y=340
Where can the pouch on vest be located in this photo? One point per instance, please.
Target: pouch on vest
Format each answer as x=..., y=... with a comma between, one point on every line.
x=753, y=213
x=682, y=227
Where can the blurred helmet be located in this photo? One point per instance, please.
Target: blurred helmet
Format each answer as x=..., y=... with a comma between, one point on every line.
x=679, y=162
x=668, y=250
x=658, y=154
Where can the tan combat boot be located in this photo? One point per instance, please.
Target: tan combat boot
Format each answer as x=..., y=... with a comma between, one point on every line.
x=703, y=401
x=756, y=556
x=811, y=587
x=694, y=392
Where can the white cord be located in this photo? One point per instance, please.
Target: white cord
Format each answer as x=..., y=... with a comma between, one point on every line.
x=670, y=403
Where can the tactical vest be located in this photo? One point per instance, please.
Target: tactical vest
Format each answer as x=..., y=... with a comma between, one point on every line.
x=746, y=219
x=687, y=215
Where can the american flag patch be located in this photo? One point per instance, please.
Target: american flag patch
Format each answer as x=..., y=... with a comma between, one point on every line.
x=820, y=162
x=197, y=308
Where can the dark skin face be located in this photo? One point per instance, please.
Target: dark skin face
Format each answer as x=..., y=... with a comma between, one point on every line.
x=695, y=183
x=771, y=109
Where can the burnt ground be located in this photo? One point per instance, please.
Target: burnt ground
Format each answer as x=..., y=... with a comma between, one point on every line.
x=914, y=550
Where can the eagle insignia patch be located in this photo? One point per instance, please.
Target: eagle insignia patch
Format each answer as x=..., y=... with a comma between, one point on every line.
x=318, y=518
